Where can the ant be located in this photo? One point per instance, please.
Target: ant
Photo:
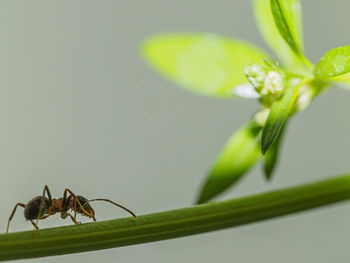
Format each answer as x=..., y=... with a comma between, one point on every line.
x=42, y=207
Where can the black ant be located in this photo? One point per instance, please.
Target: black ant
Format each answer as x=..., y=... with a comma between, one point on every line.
x=42, y=207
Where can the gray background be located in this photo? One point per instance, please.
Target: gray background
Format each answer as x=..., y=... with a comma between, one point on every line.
x=80, y=109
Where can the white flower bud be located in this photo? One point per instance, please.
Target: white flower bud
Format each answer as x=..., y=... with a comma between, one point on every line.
x=273, y=83
x=246, y=91
x=255, y=75
x=306, y=94
x=261, y=116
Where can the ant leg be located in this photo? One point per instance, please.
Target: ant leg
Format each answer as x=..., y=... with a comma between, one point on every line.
x=46, y=190
x=12, y=214
x=66, y=202
x=76, y=200
x=73, y=219
x=65, y=199
x=35, y=225
x=75, y=216
x=45, y=216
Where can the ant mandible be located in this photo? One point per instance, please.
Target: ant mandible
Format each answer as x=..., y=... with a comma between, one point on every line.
x=42, y=207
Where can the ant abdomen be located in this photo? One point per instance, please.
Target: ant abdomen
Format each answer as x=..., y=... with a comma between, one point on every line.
x=31, y=210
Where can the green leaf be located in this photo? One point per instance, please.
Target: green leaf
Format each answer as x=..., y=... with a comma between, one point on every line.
x=335, y=65
x=206, y=64
x=280, y=25
x=285, y=23
x=279, y=113
x=239, y=154
x=271, y=157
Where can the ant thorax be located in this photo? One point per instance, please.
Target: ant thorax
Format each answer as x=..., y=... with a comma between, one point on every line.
x=56, y=205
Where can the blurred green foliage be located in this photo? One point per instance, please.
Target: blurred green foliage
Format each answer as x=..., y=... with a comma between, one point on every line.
x=217, y=66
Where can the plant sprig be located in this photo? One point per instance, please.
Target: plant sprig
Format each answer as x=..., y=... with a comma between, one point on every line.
x=172, y=224
x=218, y=66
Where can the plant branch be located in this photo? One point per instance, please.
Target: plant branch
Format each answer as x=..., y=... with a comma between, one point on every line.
x=173, y=224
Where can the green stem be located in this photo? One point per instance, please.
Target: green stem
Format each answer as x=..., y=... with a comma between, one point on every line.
x=173, y=224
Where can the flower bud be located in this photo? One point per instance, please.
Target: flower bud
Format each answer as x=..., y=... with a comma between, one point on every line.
x=246, y=91
x=306, y=94
x=255, y=75
x=273, y=83
x=261, y=116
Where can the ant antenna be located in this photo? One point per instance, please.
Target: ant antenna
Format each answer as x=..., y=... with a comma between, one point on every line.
x=109, y=201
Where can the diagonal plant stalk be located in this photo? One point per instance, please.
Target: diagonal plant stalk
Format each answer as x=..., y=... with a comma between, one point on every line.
x=173, y=224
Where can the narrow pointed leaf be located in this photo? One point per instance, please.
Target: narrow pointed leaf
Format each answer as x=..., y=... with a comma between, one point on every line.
x=335, y=65
x=271, y=156
x=279, y=113
x=285, y=23
x=278, y=21
x=239, y=154
x=206, y=64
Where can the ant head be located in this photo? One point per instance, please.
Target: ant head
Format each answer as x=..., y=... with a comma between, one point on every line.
x=31, y=210
x=86, y=209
